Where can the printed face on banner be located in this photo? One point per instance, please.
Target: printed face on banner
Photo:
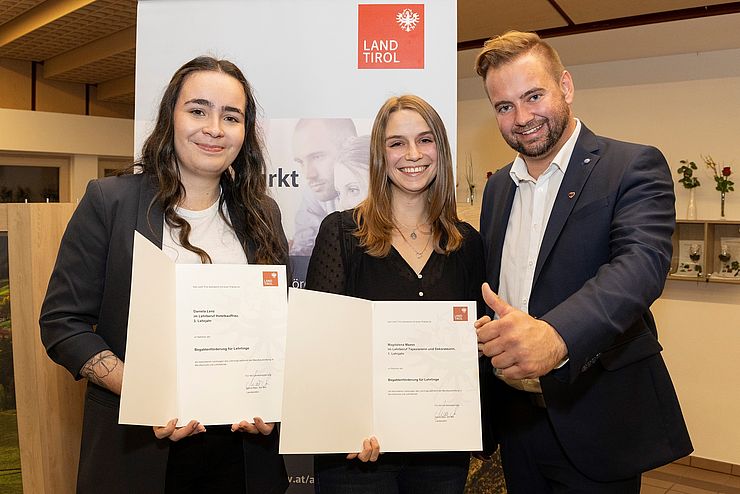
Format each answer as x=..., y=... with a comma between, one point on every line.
x=316, y=143
x=390, y=36
x=351, y=184
x=315, y=166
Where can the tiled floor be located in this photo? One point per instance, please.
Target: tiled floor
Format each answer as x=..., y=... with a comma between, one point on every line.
x=684, y=479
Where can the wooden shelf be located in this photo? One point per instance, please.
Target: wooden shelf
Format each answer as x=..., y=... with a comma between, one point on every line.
x=708, y=234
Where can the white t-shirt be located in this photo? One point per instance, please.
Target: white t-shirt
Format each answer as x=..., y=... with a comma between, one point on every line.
x=209, y=232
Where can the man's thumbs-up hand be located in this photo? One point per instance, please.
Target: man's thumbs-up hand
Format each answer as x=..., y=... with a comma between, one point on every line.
x=519, y=345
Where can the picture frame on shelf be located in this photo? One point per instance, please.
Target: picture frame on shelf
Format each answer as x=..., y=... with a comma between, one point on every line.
x=728, y=258
x=690, y=259
x=707, y=239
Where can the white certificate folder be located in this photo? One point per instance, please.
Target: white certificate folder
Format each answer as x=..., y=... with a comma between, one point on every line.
x=405, y=372
x=205, y=341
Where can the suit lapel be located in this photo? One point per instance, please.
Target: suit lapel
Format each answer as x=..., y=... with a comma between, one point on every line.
x=581, y=163
x=500, y=210
x=149, y=223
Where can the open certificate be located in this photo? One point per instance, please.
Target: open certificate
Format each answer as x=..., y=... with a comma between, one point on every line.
x=405, y=372
x=205, y=341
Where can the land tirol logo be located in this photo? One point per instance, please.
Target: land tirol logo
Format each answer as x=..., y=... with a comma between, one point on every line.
x=269, y=278
x=390, y=36
x=459, y=313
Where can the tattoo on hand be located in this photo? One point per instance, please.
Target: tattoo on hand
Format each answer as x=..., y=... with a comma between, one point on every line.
x=100, y=366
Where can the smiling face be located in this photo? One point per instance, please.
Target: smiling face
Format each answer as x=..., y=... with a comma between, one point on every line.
x=532, y=107
x=208, y=125
x=410, y=152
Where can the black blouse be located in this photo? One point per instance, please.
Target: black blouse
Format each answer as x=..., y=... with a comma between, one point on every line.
x=339, y=265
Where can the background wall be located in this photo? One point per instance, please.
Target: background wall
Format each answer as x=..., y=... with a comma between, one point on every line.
x=15, y=84
x=84, y=140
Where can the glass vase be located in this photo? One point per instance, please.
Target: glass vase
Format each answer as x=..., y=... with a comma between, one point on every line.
x=722, y=205
x=691, y=209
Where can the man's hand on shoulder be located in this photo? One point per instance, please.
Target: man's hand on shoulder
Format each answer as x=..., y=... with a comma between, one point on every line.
x=519, y=345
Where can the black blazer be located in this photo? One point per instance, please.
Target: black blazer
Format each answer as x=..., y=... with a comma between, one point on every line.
x=86, y=311
x=604, y=259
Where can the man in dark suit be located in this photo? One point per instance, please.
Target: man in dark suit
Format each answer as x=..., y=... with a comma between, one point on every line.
x=577, y=232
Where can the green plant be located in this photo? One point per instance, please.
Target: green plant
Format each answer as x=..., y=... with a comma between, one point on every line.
x=687, y=170
x=721, y=175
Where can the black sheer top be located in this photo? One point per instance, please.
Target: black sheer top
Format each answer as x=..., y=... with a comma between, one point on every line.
x=339, y=265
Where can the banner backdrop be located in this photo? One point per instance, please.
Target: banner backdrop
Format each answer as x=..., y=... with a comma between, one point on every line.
x=320, y=70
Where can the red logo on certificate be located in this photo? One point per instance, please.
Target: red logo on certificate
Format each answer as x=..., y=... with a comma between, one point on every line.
x=459, y=313
x=390, y=36
x=269, y=278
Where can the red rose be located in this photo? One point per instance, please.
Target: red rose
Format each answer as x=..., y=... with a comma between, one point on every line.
x=726, y=171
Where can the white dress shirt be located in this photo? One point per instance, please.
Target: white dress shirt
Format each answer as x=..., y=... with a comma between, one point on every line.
x=530, y=213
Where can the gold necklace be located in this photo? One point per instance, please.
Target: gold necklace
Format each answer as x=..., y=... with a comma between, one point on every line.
x=418, y=254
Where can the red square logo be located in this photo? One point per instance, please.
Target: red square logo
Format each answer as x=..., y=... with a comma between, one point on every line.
x=269, y=278
x=390, y=36
x=459, y=313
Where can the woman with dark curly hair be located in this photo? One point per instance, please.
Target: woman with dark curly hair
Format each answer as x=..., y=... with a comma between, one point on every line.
x=201, y=197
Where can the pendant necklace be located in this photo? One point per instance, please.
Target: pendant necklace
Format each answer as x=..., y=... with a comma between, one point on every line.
x=418, y=253
x=412, y=235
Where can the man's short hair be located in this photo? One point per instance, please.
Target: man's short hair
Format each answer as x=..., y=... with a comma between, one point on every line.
x=500, y=50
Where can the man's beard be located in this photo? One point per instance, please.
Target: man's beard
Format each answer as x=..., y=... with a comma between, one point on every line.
x=555, y=128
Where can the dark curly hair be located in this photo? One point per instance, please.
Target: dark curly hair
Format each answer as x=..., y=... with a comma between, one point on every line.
x=243, y=184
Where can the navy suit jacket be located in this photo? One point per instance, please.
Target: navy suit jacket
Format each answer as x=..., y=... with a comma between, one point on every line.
x=604, y=258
